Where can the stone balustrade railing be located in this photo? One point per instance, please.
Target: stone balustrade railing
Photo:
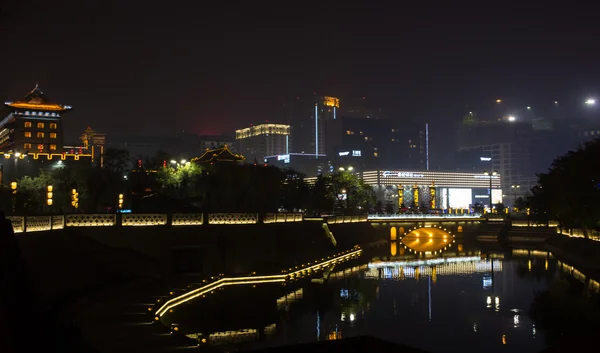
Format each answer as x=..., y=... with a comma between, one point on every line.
x=29, y=224
x=346, y=219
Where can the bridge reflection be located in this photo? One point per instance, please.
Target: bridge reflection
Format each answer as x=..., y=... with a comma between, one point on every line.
x=427, y=240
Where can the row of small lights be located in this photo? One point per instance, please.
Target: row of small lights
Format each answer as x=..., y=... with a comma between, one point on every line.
x=345, y=256
x=219, y=282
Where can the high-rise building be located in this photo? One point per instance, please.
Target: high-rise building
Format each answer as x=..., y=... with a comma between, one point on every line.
x=311, y=120
x=259, y=141
x=32, y=124
x=370, y=143
x=504, y=146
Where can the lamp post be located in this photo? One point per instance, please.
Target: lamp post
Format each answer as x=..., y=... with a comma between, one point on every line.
x=514, y=192
x=491, y=175
x=13, y=187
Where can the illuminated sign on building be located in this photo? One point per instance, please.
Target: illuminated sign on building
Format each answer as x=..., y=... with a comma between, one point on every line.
x=356, y=153
x=284, y=157
x=485, y=159
x=477, y=176
x=344, y=153
x=388, y=174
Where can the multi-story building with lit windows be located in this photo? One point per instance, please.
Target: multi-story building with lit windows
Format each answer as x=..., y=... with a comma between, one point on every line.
x=32, y=124
x=434, y=190
x=311, y=122
x=260, y=141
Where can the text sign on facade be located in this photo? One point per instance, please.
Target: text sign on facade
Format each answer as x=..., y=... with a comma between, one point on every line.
x=389, y=174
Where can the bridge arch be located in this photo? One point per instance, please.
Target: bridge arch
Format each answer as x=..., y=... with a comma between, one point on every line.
x=427, y=240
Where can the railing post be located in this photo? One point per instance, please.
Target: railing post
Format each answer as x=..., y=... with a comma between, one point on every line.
x=119, y=219
x=24, y=224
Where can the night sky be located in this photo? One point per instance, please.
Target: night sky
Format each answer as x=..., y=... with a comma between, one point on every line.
x=146, y=67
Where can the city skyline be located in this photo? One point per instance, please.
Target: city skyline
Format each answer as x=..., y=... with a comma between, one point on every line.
x=148, y=69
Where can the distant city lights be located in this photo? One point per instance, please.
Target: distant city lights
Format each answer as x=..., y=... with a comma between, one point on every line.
x=512, y=118
x=528, y=108
x=498, y=100
x=590, y=101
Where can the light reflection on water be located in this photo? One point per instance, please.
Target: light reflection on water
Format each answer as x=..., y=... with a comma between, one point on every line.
x=468, y=302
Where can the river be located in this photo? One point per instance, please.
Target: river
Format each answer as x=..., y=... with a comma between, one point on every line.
x=461, y=299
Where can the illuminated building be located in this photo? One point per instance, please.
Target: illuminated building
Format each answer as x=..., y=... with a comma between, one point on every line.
x=509, y=144
x=371, y=143
x=32, y=124
x=258, y=141
x=93, y=143
x=307, y=164
x=219, y=155
x=212, y=142
x=450, y=190
x=311, y=121
x=16, y=165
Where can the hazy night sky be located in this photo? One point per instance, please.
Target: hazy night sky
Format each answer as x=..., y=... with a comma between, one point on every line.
x=134, y=67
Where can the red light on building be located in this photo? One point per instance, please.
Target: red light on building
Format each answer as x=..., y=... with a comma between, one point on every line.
x=139, y=163
x=165, y=164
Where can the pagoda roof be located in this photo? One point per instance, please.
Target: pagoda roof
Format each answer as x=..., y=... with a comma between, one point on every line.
x=222, y=154
x=36, y=100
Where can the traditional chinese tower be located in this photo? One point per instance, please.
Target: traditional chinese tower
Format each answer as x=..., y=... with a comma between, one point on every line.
x=93, y=142
x=32, y=124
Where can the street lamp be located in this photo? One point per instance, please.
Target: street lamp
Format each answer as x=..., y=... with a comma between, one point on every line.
x=590, y=101
x=514, y=190
x=13, y=187
x=512, y=119
x=493, y=174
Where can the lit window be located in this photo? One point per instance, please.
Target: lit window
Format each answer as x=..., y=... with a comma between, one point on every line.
x=40, y=135
x=53, y=125
x=28, y=124
x=361, y=132
x=349, y=132
x=27, y=134
x=375, y=154
x=27, y=146
x=40, y=125
x=40, y=146
x=367, y=138
x=53, y=135
x=52, y=147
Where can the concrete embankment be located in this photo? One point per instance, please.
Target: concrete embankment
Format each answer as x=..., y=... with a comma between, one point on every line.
x=579, y=252
x=70, y=263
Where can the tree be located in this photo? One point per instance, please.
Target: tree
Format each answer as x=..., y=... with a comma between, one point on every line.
x=522, y=203
x=117, y=161
x=295, y=191
x=500, y=208
x=182, y=181
x=570, y=191
x=379, y=207
x=389, y=208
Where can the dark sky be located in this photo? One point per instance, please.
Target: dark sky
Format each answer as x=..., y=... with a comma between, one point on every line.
x=137, y=67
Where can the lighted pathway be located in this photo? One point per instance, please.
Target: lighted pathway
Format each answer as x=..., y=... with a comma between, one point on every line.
x=119, y=320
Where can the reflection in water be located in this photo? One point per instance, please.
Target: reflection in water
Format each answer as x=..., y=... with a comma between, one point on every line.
x=428, y=240
x=392, y=300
